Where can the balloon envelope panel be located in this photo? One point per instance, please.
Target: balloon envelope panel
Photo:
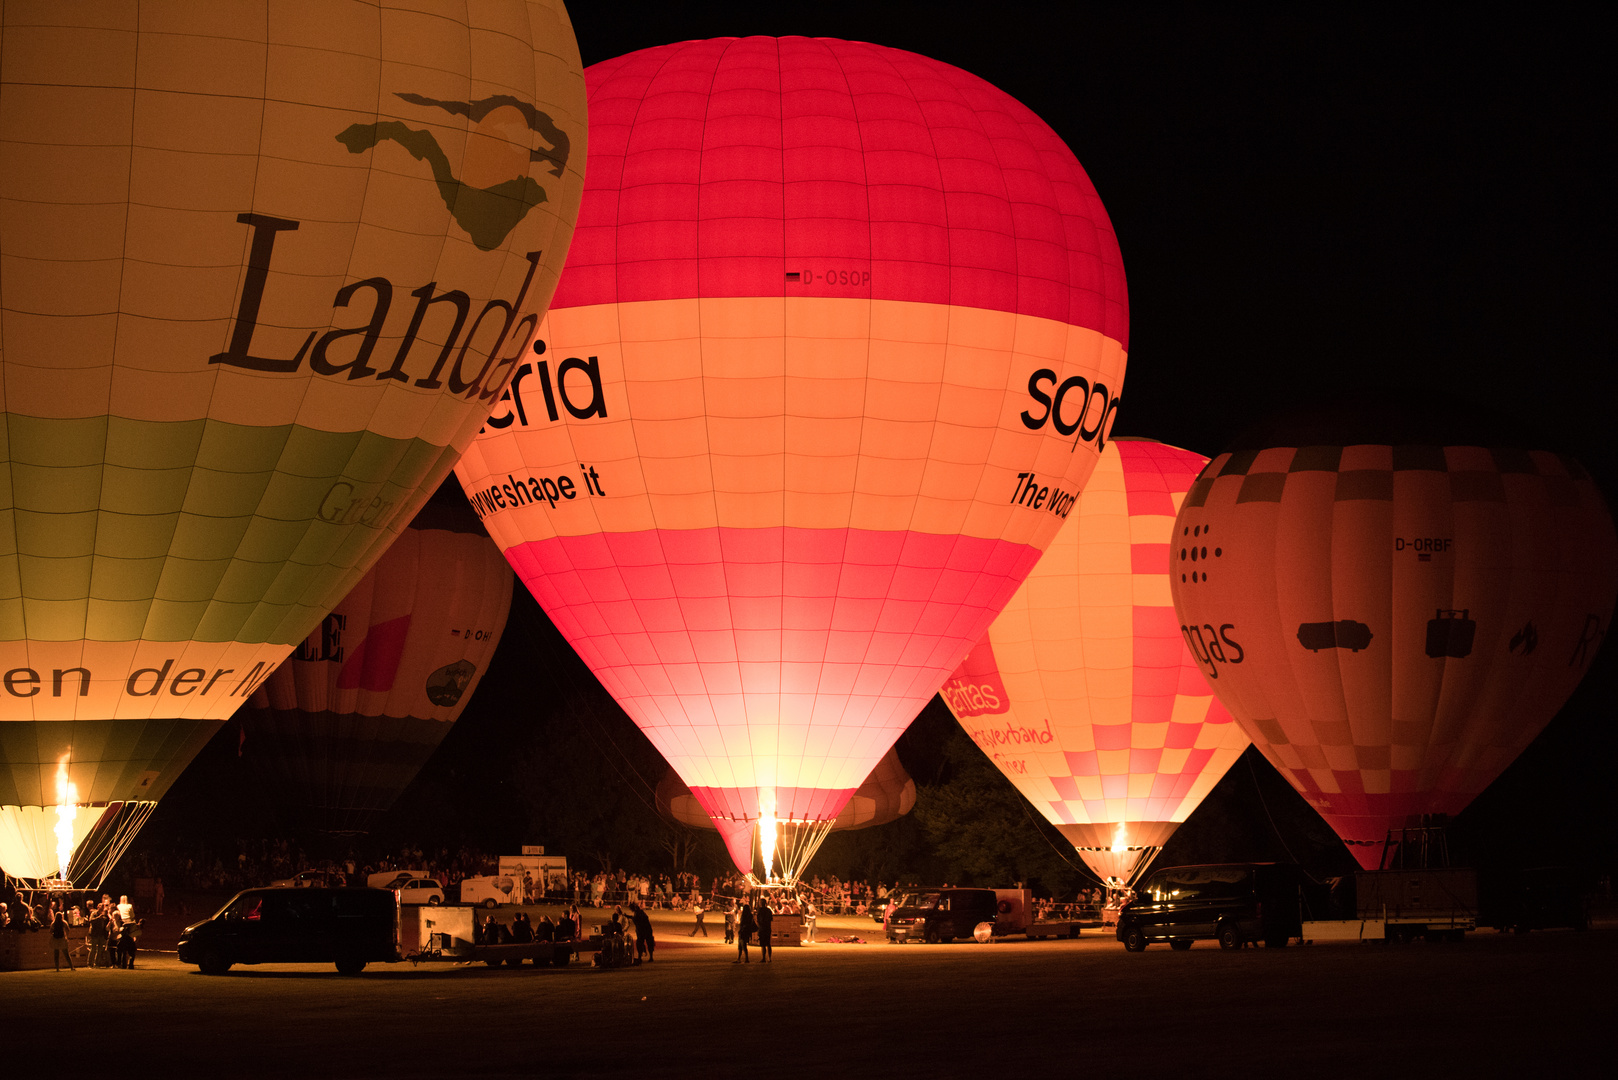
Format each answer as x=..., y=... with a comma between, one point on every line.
x=841, y=335
x=1393, y=624
x=1082, y=691
x=262, y=270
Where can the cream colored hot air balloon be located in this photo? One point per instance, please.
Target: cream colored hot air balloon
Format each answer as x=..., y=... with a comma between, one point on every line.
x=1082, y=691
x=264, y=267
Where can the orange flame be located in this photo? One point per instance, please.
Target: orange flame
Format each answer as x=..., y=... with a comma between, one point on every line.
x=1120, y=838
x=67, y=797
x=768, y=830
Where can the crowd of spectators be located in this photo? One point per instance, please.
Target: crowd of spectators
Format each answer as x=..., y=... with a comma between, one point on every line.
x=199, y=868
x=98, y=934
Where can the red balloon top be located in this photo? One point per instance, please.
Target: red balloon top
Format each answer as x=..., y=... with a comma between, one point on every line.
x=817, y=167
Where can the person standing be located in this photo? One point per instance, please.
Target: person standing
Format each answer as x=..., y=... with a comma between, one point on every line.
x=765, y=915
x=59, y=945
x=809, y=914
x=744, y=930
x=730, y=923
x=99, y=934
x=701, y=910
x=644, y=941
x=125, y=957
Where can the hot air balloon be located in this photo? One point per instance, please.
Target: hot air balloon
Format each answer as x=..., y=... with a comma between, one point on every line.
x=1392, y=606
x=348, y=721
x=888, y=794
x=264, y=268
x=841, y=335
x=1082, y=691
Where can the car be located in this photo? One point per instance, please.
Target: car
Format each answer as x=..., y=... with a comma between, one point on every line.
x=421, y=890
x=311, y=879
x=487, y=890
x=346, y=927
x=1232, y=903
x=939, y=915
x=392, y=879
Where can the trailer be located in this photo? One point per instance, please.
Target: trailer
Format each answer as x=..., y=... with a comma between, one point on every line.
x=447, y=934
x=1015, y=914
x=1436, y=904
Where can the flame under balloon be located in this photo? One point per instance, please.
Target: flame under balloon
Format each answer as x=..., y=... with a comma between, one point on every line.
x=67, y=809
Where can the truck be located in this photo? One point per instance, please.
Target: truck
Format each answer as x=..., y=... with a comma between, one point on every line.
x=1439, y=904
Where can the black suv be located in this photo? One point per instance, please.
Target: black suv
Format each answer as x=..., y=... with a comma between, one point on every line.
x=935, y=915
x=1234, y=903
x=346, y=927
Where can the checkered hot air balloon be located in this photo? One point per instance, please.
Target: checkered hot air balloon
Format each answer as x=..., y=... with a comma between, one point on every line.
x=831, y=306
x=1392, y=610
x=1083, y=692
x=263, y=269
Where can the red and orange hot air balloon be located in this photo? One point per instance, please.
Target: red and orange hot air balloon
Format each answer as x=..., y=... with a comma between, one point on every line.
x=1392, y=610
x=839, y=339
x=1082, y=691
x=346, y=723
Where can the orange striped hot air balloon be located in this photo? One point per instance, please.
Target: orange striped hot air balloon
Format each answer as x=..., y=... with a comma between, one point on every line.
x=840, y=338
x=1392, y=605
x=1082, y=691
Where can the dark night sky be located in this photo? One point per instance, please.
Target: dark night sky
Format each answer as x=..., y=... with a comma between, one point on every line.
x=1310, y=201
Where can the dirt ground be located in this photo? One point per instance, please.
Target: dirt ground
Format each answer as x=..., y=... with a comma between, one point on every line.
x=1495, y=1005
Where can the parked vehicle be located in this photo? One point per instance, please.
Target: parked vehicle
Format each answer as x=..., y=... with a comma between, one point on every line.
x=312, y=879
x=487, y=890
x=1437, y=904
x=939, y=915
x=421, y=890
x=351, y=928
x=346, y=927
x=1015, y=913
x=1233, y=903
x=392, y=879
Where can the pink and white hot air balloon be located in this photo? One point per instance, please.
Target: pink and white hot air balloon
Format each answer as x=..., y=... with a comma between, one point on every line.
x=839, y=340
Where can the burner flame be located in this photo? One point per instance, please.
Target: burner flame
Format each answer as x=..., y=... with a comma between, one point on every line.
x=67, y=797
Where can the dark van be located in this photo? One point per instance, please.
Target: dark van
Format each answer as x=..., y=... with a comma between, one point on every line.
x=1234, y=903
x=937, y=915
x=346, y=927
